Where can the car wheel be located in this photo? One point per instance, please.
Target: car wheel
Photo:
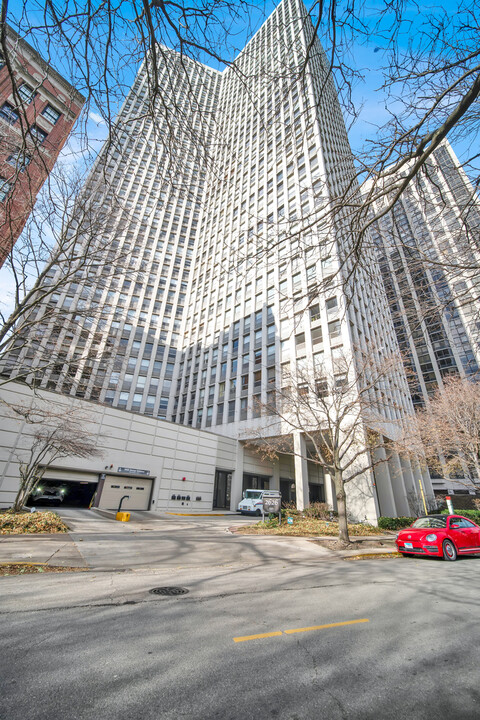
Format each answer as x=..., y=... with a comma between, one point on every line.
x=449, y=550
x=259, y=512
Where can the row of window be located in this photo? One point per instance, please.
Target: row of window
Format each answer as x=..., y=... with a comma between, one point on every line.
x=11, y=114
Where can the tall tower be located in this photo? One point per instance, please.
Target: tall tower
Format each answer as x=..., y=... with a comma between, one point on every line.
x=223, y=273
x=428, y=252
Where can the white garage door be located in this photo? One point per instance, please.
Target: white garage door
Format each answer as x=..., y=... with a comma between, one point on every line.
x=115, y=488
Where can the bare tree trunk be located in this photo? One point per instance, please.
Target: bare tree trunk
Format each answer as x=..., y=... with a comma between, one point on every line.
x=343, y=535
x=28, y=481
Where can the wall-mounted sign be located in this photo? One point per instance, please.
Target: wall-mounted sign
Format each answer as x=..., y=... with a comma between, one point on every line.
x=134, y=471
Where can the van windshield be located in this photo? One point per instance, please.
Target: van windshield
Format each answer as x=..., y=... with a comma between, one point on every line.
x=253, y=494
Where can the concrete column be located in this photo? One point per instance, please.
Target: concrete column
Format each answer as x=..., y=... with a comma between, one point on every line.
x=408, y=478
x=386, y=499
x=422, y=482
x=398, y=486
x=427, y=485
x=237, y=478
x=275, y=482
x=330, y=498
x=301, y=470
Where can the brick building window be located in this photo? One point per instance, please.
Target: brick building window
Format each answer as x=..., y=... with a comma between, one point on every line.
x=4, y=188
x=18, y=159
x=26, y=93
x=38, y=133
x=8, y=113
x=51, y=114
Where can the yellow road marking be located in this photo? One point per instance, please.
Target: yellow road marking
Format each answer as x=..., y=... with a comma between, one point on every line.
x=279, y=633
x=322, y=627
x=257, y=637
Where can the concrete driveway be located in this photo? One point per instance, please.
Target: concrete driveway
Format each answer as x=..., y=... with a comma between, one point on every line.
x=151, y=541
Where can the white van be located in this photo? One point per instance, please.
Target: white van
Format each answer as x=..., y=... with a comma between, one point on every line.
x=253, y=501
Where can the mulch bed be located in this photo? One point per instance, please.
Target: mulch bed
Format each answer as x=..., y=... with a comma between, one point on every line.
x=28, y=523
x=23, y=569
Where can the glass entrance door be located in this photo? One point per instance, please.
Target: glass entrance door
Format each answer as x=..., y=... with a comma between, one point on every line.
x=221, y=492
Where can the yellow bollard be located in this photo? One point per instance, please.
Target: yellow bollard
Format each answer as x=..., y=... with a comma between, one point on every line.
x=123, y=516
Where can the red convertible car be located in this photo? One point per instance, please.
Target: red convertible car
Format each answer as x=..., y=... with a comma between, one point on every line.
x=446, y=536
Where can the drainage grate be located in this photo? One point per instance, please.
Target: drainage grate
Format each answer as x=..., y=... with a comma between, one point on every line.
x=169, y=591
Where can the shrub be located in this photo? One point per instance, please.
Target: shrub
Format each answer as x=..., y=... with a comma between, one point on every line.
x=317, y=510
x=395, y=523
x=289, y=509
x=472, y=514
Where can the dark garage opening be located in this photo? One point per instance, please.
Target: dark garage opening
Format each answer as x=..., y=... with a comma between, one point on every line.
x=63, y=493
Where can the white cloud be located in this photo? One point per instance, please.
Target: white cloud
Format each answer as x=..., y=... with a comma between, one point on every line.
x=96, y=118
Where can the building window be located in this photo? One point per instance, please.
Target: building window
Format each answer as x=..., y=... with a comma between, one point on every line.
x=19, y=160
x=332, y=305
x=243, y=408
x=334, y=329
x=341, y=381
x=51, y=114
x=38, y=133
x=26, y=93
x=8, y=113
x=321, y=388
x=5, y=187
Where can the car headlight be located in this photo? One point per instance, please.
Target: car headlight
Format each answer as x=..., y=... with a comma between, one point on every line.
x=431, y=537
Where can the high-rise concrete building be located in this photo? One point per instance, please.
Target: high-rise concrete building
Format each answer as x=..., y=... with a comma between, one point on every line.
x=38, y=108
x=223, y=276
x=429, y=256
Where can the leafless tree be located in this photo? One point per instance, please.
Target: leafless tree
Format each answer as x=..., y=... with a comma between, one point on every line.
x=429, y=87
x=60, y=261
x=447, y=430
x=49, y=435
x=343, y=414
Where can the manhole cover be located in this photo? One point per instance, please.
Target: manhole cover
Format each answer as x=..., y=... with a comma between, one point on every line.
x=169, y=591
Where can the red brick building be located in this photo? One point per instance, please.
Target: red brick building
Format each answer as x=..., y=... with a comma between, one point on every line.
x=38, y=108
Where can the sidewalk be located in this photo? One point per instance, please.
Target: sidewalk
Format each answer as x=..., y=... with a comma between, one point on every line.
x=56, y=549
x=63, y=550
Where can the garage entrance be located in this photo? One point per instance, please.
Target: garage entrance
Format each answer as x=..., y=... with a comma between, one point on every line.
x=64, y=493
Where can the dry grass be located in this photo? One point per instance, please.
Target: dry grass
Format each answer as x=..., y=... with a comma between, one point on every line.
x=27, y=569
x=308, y=527
x=374, y=556
x=27, y=523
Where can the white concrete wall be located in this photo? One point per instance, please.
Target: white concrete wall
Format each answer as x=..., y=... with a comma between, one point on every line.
x=168, y=451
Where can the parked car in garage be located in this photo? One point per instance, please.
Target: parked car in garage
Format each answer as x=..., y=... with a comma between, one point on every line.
x=447, y=536
x=48, y=496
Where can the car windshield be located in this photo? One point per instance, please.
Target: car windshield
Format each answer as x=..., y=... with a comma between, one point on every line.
x=253, y=494
x=431, y=522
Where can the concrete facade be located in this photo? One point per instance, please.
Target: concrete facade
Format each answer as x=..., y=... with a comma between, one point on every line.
x=427, y=246
x=235, y=277
x=180, y=461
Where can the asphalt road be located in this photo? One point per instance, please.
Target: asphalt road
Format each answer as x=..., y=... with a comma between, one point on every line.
x=99, y=645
